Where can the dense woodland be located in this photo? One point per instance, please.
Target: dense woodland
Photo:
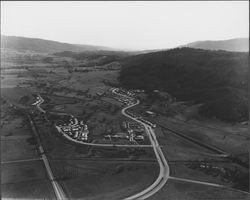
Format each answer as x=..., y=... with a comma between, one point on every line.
x=218, y=79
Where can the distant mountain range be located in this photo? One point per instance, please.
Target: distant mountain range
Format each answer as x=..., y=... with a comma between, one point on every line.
x=237, y=44
x=37, y=45
x=23, y=44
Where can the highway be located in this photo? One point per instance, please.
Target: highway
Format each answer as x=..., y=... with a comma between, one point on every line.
x=164, y=168
x=56, y=187
x=164, y=171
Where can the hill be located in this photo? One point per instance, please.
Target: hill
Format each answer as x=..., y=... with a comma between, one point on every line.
x=93, y=54
x=22, y=44
x=95, y=57
x=217, y=79
x=238, y=44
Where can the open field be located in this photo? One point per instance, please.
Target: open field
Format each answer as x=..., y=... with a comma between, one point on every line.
x=19, y=96
x=23, y=175
x=104, y=179
x=35, y=189
x=221, y=172
x=234, y=139
x=177, y=190
x=186, y=159
x=10, y=123
x=17, y=149
x=17, y=141
x=23, y=171
x=178, y=149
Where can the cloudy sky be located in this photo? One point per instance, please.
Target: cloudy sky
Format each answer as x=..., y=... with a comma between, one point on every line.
x=125, y=24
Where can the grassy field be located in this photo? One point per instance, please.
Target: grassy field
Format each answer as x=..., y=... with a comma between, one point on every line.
x=35, y=189
x=105, y=180
x=23, y=171
x=23, y=175
x=178, y=149
x=231, y=140
x=17, y=141
x=181, y=153
x=17, y=149
x=176, y=190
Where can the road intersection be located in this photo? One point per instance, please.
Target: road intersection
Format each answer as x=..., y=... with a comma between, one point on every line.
x=164, y=168
x=164, y=172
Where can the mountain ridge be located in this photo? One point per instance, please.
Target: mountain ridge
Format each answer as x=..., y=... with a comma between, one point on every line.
x=39, y=45
x=235, y=44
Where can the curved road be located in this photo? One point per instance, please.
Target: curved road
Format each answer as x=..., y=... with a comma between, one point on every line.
x=164, y=168
x=41, y=100
x=103, y=145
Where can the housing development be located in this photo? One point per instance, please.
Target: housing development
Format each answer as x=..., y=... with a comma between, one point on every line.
x=124, y=100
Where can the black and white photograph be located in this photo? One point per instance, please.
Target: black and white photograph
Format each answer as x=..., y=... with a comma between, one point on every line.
x=125, y=100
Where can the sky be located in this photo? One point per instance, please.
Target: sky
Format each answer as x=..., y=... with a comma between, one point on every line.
x=134, y=25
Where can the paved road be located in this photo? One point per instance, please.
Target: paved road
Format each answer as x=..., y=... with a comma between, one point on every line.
x=208, y=184
x=57, y=188
x=41, y=100
x=164, y=168
x=102, y=145
x=18, y=161
x=197, y=182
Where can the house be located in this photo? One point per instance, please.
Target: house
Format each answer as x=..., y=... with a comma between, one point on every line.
x=150, y=113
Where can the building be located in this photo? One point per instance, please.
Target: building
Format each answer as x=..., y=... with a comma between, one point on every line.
x=150, y=113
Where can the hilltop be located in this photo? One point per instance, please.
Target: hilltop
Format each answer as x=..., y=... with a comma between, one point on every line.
x=237, y=44
x=217, y=79
x=22, y=44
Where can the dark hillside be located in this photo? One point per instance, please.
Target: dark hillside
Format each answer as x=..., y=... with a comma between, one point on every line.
x=216, y=78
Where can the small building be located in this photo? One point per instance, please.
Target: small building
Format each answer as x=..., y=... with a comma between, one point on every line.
x=153, y=114
x=139, y=137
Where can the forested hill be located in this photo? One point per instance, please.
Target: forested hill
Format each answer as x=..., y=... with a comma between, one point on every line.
x=216, y=78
